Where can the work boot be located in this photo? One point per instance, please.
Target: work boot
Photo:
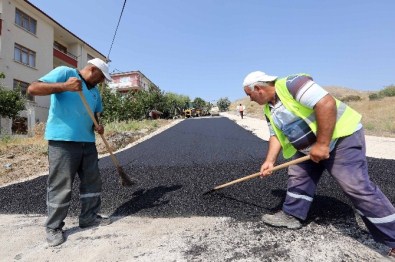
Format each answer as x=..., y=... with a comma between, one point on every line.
x=280, y=219
x=55, y=237
x=99, y=221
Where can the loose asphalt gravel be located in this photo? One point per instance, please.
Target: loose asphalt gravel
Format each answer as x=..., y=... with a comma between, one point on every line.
x=177, y=166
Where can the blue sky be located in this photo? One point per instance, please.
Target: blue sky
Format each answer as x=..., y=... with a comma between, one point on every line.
x=205, y=48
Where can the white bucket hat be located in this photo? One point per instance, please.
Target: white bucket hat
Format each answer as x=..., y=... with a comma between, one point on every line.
x=102, y=66
x=258, y=76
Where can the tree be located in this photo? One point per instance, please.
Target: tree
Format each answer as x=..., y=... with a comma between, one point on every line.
x=199, y=102
x=223, y=104
x=11, y=101
x=112, y=104
x=173, y=104
x=134, y=105
x=387, y=91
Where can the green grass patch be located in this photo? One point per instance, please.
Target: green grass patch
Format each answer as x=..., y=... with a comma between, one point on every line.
x=134, y=125
x=369, y=126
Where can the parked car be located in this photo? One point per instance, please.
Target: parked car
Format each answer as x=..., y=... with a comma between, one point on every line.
x=214, y=111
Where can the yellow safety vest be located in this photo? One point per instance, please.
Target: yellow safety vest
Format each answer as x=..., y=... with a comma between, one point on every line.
x=346, y=121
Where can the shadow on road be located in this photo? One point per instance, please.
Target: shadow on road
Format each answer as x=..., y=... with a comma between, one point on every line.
x=145, y=199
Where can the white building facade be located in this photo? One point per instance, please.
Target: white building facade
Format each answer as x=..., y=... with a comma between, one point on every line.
x=31, y=45
x=124, y=82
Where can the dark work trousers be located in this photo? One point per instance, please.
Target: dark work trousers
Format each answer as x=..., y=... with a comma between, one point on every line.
x=66, y=159
x=348, y=166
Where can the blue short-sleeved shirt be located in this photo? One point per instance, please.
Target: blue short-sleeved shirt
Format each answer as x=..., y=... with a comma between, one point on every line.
x=68, y=119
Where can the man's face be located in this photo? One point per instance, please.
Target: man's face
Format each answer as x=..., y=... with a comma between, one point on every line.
x=257, y=95
x=96, y=76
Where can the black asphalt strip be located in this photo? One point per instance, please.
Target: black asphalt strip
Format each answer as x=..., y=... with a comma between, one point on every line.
x=177, y=166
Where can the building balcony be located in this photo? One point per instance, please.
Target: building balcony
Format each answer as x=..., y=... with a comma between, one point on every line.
x=124, y=87
x=66, y=57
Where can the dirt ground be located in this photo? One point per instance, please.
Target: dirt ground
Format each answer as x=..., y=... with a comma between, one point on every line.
x=22, y=162
x=17, y=165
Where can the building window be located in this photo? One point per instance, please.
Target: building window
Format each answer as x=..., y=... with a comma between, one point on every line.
x=60, y=47
x=22, y=86
x=24, y=55
x=25, y=21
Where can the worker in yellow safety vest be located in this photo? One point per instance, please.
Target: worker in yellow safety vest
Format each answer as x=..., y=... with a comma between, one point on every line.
x=304, y=119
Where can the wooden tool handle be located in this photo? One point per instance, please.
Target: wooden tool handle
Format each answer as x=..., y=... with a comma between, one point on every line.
x=88, y=109
x=293, y=162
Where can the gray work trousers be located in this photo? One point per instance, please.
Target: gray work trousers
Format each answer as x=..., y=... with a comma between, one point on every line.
x=66, y=159
x=348, y=166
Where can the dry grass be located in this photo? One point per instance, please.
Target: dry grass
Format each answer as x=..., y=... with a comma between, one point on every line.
x=35, y=144
x=26, y=157
x=378, y=116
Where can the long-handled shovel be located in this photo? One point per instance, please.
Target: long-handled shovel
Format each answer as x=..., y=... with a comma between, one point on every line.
x=125, y=180
x=293, y=162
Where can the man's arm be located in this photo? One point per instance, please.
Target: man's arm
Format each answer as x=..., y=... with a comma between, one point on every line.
x=43, y=89
x=99, y=128
x=271, y=156
x=325, y=113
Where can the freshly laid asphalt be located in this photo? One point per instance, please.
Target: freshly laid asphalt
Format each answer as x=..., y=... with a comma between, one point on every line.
x=177, y=166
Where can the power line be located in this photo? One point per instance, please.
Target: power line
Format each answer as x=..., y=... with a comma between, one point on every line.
x=116, y=29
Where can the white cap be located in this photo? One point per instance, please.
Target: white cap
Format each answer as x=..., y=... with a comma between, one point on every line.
x=257, y=76
x=102, y=66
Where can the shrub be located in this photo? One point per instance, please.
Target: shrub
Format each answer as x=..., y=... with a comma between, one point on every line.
x=351, y=98
x=388, y=91
x=11, y=101
x=374, y=96
x=223, y=104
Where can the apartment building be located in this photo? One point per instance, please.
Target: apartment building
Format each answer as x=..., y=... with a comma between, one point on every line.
x=31, y=44
x=130, y=81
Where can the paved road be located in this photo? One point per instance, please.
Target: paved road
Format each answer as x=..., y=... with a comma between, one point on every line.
x=174, y=168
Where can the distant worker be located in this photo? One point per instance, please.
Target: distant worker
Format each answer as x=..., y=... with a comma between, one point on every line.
x=305, y=119
x=241, y=109
x=71, y=144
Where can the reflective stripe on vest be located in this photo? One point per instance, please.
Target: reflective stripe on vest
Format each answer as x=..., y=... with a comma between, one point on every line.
x=347, y=118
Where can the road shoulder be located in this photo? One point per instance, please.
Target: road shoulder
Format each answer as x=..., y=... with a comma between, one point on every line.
x=377, y=147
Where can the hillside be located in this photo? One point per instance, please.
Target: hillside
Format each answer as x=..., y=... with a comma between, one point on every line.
x=377, y=115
